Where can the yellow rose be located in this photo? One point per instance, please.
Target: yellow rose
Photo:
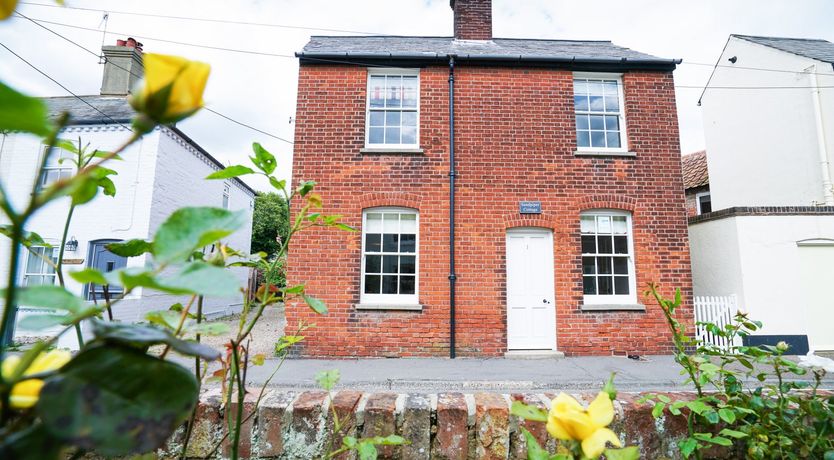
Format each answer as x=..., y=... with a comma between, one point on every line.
x=568, y=420
x=7, y=8
x=25, y=394
x=172, y=88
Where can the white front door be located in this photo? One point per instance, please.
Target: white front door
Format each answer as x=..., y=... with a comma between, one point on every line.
x=531, y=314
x=817, y=272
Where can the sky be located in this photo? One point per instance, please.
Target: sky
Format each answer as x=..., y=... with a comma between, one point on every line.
x=260, y=90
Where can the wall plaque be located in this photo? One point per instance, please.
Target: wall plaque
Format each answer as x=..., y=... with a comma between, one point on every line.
x=73, y=261
x=530, y=207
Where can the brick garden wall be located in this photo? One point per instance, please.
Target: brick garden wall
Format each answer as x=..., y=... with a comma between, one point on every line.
x=515, y=141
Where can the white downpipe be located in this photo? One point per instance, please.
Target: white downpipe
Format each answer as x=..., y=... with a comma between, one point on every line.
x=827, y=186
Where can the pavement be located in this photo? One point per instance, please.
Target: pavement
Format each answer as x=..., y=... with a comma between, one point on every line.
x=430, y=375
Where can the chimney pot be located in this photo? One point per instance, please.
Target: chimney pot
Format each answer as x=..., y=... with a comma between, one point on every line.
x=473, y=19
x=122, y=67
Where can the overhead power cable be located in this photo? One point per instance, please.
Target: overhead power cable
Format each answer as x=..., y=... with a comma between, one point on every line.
x=136, y=75
x=211, y=20
x=108, y=117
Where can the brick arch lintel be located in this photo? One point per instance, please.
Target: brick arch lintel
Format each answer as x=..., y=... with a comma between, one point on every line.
x=543, y=220
x=400, y=199
x=607, y=201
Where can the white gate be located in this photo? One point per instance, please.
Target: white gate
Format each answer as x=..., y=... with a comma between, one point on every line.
x=718, y=310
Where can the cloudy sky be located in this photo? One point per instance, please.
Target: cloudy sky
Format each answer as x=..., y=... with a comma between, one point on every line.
x=259, y=90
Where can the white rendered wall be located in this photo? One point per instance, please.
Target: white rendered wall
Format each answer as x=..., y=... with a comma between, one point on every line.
x=716, y=261
x=762, y=143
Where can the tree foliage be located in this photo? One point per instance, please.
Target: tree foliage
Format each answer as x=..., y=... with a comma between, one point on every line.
x=269, y=221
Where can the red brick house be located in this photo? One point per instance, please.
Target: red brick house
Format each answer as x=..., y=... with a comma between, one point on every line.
x=509, y=195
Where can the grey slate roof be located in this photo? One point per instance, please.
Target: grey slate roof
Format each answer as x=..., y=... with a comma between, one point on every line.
x=116, y=109
x=821, y=50
x=498, y=49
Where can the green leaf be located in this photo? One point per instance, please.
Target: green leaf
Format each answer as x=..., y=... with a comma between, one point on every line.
x=829, y=455
x=349, y=441
x=534, y=450
x=89, y=275
x=708, y=368
x=189, y=229
x=626, y=453
x=208, y=328
x=609, y=387
x=19, y=112
x=390, y=440
x=202, y=279
x=711, y=416
x=29, y=238
x=50, y=296
x=317, y=305
x=328, y=379
x=366, y=450
x=117, y=401
x=264, y=160
x=657, y=410
x=277, y=184
x=687, y=446
x=733, y=433
x=727, y=415
x=165, y=318
x=129, y=248
x=664, y=399
x=305, y=187
x=40, y=322
x=31, y=443
x=528, y=412
x=142, y=336
x=258, y=359
x=698, y=406
x=231, y=171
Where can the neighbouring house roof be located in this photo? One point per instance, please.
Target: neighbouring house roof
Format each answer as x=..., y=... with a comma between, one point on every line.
x=105, y=110
x=694, y=166
x=821, y=50
x=495, y=51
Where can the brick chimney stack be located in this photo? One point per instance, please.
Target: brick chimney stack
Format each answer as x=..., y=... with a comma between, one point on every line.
x=122, y=67
x=473, y=19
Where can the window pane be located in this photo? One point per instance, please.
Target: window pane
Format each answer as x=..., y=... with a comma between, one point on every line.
x=393, y=96
x=392, y=135
x=409, y=136
x=582, y=122
x=389, y=284
x=373, y=222
x=597, y=104
x=580, y=103
x=409, y=119
x=604, y=224
x=597, y=138
x=610, y=86
x=612, y=103
x=389, y=264
x=408, y=243
x=587, y=224
x=390, y=243
x=589, y=244
x=604, y=265
x=620, y=266
x=604, y=245
x=372, y=284
x=377, y=118
x=620, y=225
x=391, y=223
x=373, y=264
x=597, y=122
x=407, y=264
x=393, y=119
x=588, y=266
x=375, y=136
x=580, y=86
x=621, y=285
x=377, y=90
x=410, y=92
x=407, y=284
x=621, y=245
x=612, y=123
x=605, y=285
x=373, y=242
x=408, y=223
x=613, y=139
x=594, y=87
x=583, y=139
x=589, y=285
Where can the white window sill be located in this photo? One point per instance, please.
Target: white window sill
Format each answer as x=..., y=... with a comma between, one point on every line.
x=612, y=307
x=604, y=153
x=388, y=306
x=391, y=150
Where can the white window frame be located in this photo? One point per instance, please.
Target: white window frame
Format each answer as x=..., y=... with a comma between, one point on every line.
x=623, y=148
x=395, y=72
x=391, y=299
x=62, y=164
x=26, y=273
x=698, y=197
x=227, y=192
x=613, y=299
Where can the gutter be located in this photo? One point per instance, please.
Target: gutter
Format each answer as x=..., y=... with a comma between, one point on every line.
x=452, y=176
x=825, y=164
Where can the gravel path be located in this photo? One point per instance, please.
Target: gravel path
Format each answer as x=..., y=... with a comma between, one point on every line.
x=266, y=332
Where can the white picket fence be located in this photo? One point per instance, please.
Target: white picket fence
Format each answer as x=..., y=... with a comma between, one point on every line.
x=718, y=310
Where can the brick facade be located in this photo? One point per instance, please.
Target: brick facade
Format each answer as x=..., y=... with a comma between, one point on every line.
x=515, y=141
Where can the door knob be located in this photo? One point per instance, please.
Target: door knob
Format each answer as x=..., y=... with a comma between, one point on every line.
x=545, y=301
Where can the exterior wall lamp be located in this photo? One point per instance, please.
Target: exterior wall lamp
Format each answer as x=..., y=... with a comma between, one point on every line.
x=71, y=245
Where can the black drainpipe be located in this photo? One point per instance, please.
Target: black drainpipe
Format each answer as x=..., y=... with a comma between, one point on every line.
x=452, y=175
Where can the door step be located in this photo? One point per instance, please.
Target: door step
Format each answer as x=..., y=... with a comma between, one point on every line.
x=534, y=354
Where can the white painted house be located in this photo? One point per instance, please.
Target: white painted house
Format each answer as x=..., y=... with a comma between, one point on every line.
x=161, y=173
x=769, y=125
